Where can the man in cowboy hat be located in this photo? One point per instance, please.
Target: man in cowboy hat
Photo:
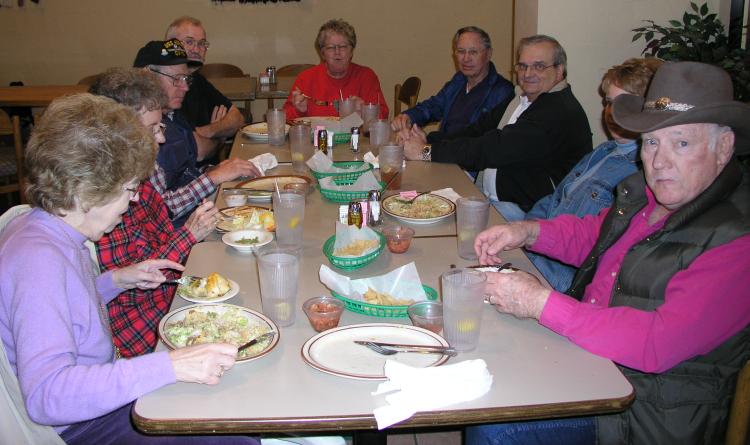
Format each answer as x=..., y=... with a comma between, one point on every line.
x=662, y=286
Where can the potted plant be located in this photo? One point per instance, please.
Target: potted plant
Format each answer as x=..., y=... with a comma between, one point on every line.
x=698, y=37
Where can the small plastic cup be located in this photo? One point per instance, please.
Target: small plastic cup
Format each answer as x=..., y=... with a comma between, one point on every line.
x=398, y=238
x=427, y=315
x=234, y=198
x=324, y=312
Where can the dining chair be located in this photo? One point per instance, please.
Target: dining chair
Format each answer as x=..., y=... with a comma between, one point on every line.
x=211, y=70
x=11, y=157
x=293, y=71
x=88, y=80
x=407, y=92
x=739, y=414
x=15, y=424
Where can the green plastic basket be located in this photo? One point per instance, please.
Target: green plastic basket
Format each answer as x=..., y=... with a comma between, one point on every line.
x=341, y=138
x=375, y=310
x=348, y=177
x=345, y=197
x=351, y=263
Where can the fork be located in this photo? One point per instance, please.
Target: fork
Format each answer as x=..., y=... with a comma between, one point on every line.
x=387, y=351
x=411, y=201
x=183, y=280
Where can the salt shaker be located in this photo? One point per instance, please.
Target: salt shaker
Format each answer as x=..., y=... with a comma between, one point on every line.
x=373, y=213
x=355, y=139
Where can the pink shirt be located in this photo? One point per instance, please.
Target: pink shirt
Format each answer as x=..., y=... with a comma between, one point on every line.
x=704, y=304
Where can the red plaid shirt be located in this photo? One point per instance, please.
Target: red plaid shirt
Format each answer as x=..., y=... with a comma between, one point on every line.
x=145, y=232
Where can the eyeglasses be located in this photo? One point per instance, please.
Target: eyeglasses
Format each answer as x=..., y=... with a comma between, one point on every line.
x=460, y=52
x=203, y=43
x=177, y=79
x=537, y=67
x=335, y=48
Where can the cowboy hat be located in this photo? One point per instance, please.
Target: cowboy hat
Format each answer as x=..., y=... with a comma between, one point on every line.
x=686, y=93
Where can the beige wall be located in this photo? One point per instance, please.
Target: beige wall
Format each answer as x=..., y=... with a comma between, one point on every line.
x=597, y=34
x=61, y=41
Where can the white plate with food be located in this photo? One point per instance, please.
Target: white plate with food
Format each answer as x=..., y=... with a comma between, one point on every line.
x=334, y=351
x=260, y=189
x=211, y=289
x=246, y=217
x=247, y=241
x=218, y=323
x=259, y=132
x=425, y=209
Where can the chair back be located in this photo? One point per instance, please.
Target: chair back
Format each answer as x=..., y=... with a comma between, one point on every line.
x=11, y=158
x=292, y=70
x=407, y=92
x=212, y=70
x=88, y=80
x=739, y=414
x=15, y=424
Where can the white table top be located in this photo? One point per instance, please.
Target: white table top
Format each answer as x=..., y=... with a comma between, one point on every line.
x=536, y=372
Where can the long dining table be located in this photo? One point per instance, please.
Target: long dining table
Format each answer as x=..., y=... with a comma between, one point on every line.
x=537, y=373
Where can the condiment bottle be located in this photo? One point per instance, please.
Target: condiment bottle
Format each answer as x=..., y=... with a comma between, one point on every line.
x=323, y=141
x=373, y=212
x=355, y=214
x=355, y=139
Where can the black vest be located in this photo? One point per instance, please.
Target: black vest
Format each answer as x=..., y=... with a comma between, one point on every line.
x=690, y=402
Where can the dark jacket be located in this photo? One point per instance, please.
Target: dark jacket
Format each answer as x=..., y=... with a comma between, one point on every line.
x=690, y=402
x=500, y=90
x=532, y=155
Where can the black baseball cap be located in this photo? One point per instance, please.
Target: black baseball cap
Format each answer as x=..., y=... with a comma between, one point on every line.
x=163, y=53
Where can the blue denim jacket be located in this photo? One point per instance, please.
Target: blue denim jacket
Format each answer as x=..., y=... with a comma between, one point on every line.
x=437, y=106
x=582, y=192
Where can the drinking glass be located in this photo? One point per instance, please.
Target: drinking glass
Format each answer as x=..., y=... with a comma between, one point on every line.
x=276, y=119
x=380, y=132
x=289, y=213
x=346, y=107
x=472, y=214
x=463, y=301
x=370, y=113
x=301, y=146
x=391, y=161
x=278, y=270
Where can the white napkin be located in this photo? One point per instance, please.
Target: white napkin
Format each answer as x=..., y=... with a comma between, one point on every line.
x=265, y=161
x=346, y=235
x=353, y=120
x=372, y=159
x=425, y=389
x=319, y=162
x=402, y=283
x=365, y=182
x=448, y=193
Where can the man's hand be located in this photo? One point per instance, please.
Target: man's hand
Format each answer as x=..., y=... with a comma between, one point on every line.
x=414, y=145
x=143, y=275
x=401, y=122
x=496, y=239
x=299, y=100
x=218, y=113
x=518, y=293
x=231, y=169
x=203, y=220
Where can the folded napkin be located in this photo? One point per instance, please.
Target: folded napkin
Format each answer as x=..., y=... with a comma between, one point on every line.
x=425, y=389
x=264, y=162
x=448, y=193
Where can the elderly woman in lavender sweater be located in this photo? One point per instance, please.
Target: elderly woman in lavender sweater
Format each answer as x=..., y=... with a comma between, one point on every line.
x=85, y=160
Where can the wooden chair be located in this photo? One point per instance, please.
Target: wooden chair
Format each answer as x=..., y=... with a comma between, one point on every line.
x=88, y=80
x=406, y=93
x=11, y=157
x=739, y=414
x=210, y=70
x=292, y=70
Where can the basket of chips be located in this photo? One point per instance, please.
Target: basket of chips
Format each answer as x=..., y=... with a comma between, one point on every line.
x=346, y=196
x=376, y=304
x=352, y=260
x=344, y=178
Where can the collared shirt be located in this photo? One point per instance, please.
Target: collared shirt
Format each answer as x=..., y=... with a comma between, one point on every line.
x=490, y=174
x=146, y=232
x=649, y=341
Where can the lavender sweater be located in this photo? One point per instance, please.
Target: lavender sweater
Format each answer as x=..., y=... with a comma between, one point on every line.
x=53, y=330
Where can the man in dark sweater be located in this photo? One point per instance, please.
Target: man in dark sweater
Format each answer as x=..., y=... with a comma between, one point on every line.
x=532, y=142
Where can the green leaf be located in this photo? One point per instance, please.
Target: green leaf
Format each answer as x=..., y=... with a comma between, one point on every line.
x=675, y=23
x=649, y=35
x=704, y=9
x=637, y=36
x=694, y=6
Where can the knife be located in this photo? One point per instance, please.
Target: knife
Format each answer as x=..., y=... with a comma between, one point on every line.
x=257, y=339
x=411, y=348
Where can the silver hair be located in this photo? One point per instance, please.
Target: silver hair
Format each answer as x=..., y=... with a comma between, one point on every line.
x=172, y=28
x=483, y=36
x=559, y=57
x=714, y=133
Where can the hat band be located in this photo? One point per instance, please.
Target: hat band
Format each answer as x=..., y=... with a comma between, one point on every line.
x=666, y=104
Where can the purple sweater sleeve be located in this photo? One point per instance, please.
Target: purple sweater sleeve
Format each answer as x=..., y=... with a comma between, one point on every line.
x=63, y=352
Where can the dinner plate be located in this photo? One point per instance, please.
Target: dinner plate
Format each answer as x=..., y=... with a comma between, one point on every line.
x=228, y=225
x=259, y=132
x=334, y=351
x=234, y=289
x=255, y=319
x=268, y=183
x=443, y=208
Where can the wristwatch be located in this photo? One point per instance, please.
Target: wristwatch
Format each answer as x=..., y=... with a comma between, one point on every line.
x=427, y=152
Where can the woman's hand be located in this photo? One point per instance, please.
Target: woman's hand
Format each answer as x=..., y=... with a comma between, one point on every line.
x=519, y=293
x=203, y=363
x=144, y=275
x=299, y=100
x=491, y=242
x=203, y=220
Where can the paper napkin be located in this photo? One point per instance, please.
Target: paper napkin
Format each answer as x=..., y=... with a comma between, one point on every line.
x=424, y=389
x=448, y=193
x=265, y=161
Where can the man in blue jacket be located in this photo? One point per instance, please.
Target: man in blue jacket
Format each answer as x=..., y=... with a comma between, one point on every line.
x=475, y=89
